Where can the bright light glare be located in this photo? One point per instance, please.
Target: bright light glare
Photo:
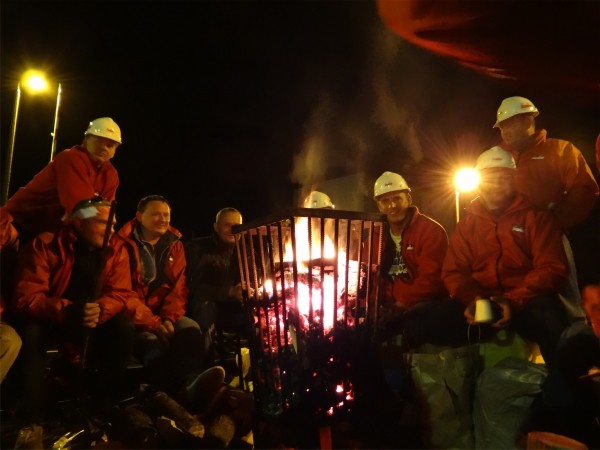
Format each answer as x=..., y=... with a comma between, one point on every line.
x=34, y=81
x=466, y=179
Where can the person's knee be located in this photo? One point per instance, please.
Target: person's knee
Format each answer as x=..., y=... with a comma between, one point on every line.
x=185, y=322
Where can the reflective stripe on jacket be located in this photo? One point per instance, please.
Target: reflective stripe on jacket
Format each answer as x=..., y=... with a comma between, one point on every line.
x=44, y=271
x=519, y=255
x=167, y=301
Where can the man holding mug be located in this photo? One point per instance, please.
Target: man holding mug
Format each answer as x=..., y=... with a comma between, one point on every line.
x=507, y=252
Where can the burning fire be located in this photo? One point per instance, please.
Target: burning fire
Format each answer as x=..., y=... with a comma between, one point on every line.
x=312, y=284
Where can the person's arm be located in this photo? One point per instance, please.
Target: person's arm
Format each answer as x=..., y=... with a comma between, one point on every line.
x=550, y=270
x=174, y=303
x=32, y=296
x=457, y=273
x=581, y=189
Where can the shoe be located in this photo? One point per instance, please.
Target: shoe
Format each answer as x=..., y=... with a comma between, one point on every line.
x=198, y=394
x=30, y=437
x=220, y=432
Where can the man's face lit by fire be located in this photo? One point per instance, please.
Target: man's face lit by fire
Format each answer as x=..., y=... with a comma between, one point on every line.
x=223, y=226
x=394, y=205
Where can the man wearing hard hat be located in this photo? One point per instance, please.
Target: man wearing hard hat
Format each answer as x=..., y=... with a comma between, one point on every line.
x=58, y=303
x=83, y=171
x=413, y=297
x=552, y=174
x=506, y=251
x=509, y=253
x=318, y=200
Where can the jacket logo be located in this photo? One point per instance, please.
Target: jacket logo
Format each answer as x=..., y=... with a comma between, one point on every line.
x=537, y=157
x=518, y=228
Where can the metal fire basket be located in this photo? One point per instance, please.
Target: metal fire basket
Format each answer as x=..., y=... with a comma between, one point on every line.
x=309, y=290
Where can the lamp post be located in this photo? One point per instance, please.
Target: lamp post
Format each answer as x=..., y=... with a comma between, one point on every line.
x=465, y=180
x=11, y=146
x=33, y=81
x=53, y=148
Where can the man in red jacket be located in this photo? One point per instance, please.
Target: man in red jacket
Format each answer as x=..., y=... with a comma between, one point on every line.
x=82, y=172
x=506, y=251
x=414, y=302
x=57, y=298
x=551, y=174
x=170, y=345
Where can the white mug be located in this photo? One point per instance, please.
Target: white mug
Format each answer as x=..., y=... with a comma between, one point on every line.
x=483, y=311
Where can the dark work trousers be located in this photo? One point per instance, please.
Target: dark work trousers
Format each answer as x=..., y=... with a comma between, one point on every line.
x=438, y=322
x=172, y=366
x=109, y=351
x=569, y=404
x=542, y=320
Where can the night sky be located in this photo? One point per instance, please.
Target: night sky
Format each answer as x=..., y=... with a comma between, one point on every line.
x=230, y=103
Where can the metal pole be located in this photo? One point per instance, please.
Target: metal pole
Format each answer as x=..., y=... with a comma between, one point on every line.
x=53, y=148
x=457, y=202
x=11, y=148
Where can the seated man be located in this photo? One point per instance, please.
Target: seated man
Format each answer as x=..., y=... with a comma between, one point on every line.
x=506, y=251
x=169, y=344
x=213, y=276
x=413, y=299
x=72, y=289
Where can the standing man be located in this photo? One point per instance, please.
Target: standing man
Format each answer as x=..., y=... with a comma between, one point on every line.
x=55, y=297
x=81, y=172
x=552, y=174
x=169, y=344
x=506, y=251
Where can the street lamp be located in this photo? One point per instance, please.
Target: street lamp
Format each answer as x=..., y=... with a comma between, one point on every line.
x=34, y=82
x=465, y=180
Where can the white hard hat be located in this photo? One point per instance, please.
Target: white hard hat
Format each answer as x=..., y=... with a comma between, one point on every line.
x=389, y=182
x=318, y=199
x=512, y=106
x=495, y=157
x=104, y=127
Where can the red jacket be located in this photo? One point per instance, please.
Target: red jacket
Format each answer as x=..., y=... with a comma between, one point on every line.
x=555, y=171
x=9, y=247
x=167, y=301
x=44, y=271
x=424, y=245
x=71, y=177
x=519, y=256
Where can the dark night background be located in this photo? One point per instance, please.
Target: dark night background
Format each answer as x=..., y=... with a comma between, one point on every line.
x=242, y=103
